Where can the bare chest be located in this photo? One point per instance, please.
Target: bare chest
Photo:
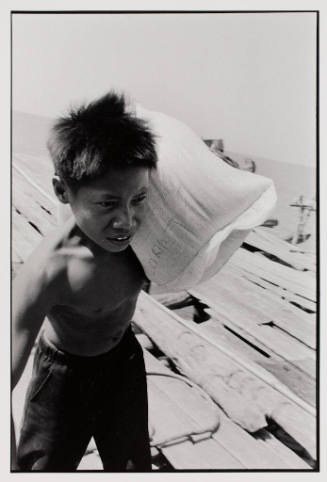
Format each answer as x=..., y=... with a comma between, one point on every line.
x=99, y=287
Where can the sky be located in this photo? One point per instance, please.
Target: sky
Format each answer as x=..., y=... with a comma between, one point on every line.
x=247, y=78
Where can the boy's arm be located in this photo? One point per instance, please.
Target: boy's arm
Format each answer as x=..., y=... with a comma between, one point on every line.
x=34, y=292
x=32, y=298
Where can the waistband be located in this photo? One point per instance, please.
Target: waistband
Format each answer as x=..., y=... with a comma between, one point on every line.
x=124, y=347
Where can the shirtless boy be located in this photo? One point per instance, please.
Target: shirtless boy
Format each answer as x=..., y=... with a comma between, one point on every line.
x=81, y=285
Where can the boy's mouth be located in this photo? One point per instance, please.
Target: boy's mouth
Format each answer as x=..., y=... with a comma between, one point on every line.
x=119, y=239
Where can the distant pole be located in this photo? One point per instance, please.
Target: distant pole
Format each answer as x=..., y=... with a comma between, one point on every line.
x=306, y=207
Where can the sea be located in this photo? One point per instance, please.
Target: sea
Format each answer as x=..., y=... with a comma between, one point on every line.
x=291, y=180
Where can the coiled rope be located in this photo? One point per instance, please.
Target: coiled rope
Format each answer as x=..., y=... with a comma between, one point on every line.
x=182, y=436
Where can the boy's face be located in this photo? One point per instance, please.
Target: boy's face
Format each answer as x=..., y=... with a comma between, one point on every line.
x=109, y=209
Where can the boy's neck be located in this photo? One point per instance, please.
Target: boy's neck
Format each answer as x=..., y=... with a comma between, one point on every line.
x=96, y=250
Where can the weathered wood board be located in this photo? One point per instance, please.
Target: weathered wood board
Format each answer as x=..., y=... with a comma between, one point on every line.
x=297, y=282
x=248, y=395
x=37, y=169
x=227, y=289
x=248, y=348
x=24, y=237
x=231, y=447
x=305, y=305
x=286, y=252
x=265, y=336
x=40, y=210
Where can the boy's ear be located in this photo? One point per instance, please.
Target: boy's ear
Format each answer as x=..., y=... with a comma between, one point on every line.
x=60, y=189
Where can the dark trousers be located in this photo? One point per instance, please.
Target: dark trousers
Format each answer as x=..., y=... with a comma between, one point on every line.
x=72, y=398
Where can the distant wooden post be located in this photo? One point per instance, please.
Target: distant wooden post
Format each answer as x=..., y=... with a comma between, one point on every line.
x=306, y=208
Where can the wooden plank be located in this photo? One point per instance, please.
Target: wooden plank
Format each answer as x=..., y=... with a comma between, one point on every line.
x=256, y=453
x=24, y=181
x=15, y=267
x=26, y=212
x=250, y=298
x=247, y=348
x=303, y=362
x=292, y=460
x=15, y=256
x=297, y=282
x=203, y=413
x=308, y=365
x=294, y=281
x=283, y=293
x=298, y=424
x=175, y=325
x=285, y=245
x=38, y=168
x=264, y=289
x=171, y=418
x=24, y=237
x=246, y=395
x=248, y=319
x=251, y=453
x=272, y=245
x=33, y=205
x=297, y=322
x=203, y=454
x=277, y=344
x=220, y=333
x=273, y=289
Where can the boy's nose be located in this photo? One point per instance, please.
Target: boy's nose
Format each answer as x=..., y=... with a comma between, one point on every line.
x=124, y=220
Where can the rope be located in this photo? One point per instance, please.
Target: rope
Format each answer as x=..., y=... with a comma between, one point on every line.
x=180, y=437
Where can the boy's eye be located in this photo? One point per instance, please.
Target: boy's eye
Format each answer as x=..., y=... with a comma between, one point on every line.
x=140, y=199
x=106, y=204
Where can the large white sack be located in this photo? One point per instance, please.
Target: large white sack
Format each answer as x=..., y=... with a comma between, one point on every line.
x=199, y=208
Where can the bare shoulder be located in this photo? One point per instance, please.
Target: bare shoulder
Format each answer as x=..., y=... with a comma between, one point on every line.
x=45, y=269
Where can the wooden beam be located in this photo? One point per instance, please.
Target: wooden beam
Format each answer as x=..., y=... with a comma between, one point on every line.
x=37, y=170
x=296, y=282
x=274, y=246
x=35, y=207
x=170, y=419
x=24, y=237
x=248, y=348
x=250, y=452
x=272, y=289
x=229, y=289
x=265, y=336
x=247, y=393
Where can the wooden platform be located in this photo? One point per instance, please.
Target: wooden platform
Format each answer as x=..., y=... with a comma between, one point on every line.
x=255, y=356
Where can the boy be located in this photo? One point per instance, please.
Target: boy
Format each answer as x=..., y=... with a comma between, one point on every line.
x=88, y=376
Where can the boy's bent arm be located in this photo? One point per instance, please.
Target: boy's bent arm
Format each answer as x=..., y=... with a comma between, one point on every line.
x=33, y=295
x=27, y=316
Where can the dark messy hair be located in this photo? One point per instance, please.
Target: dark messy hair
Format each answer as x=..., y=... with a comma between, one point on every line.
x=96, y=137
